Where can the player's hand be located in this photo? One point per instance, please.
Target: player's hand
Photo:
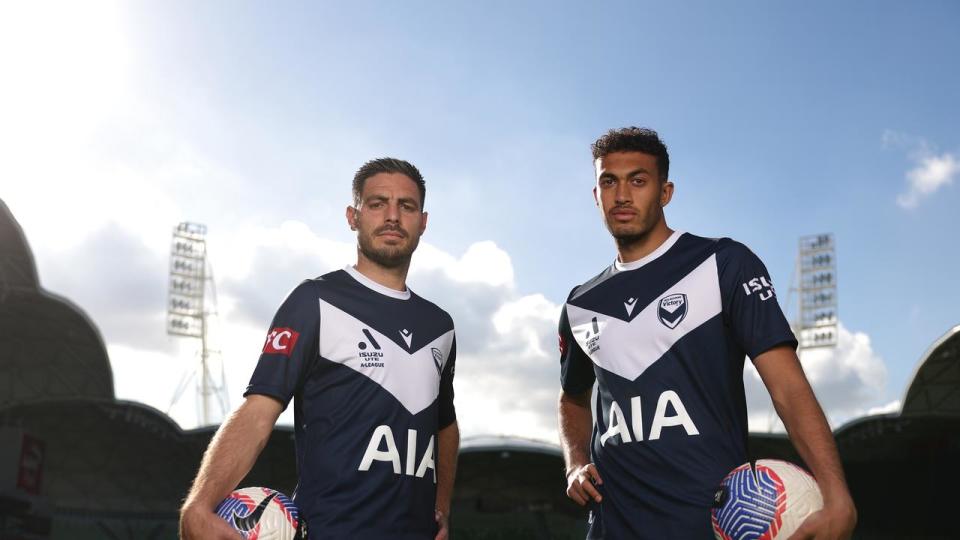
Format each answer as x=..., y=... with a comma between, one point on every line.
x=443, y=525
x=834, y=522
x=582, y=484
x=202, y=524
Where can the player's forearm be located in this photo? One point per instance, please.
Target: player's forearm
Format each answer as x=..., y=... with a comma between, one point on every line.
x=448, y=444
x=573, y=414
x=233, y=451
x=811, y=436
x=806, y=424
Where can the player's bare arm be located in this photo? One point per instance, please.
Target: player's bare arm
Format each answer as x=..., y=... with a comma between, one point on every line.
x=448, y=444
x=230, y=456
x=575, y=427
x=810, y=434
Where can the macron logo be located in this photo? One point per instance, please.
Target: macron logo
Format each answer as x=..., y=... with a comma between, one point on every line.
x=407, y=336
x=630, y=304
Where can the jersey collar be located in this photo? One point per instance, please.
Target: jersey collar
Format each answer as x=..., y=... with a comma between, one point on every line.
x=633, y=265
x=374, y=286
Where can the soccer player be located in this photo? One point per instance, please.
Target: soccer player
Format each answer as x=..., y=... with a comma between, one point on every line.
x=369, y=366
x=664, y=331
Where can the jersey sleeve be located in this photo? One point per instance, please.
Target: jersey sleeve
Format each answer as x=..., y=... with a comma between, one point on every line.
x=290, y=346
x=750, y=305
x=576, y=368
x=446, y=413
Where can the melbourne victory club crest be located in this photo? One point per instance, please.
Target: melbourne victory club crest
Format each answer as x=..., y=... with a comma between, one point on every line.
x=672, y=309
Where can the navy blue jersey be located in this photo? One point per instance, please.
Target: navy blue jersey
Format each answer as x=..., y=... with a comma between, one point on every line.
x=665, y=338
x=370, y=371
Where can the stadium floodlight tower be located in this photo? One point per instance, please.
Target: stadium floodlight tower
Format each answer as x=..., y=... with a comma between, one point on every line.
x=817, y=321
x=191, y=307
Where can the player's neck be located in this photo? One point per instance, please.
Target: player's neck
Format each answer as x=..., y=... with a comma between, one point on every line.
x=638, y=247
x=392, y=278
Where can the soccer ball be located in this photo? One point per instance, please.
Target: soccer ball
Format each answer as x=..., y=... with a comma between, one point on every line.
x=260, y=513
x=768, y=501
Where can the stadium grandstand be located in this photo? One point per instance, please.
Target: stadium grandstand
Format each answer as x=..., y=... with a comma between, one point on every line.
x=77, y=463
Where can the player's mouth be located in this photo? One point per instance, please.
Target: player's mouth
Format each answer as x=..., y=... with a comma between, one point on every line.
x=390, y=232
x=623, y=214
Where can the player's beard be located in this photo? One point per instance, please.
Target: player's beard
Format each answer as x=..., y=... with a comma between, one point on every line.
x=626, y=240
x=627, y=235
x=387, y=256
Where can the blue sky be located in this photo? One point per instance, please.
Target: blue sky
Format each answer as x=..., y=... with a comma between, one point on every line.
x=782, y=120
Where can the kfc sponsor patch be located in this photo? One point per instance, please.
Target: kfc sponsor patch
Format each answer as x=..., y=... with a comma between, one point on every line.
x=280, y=341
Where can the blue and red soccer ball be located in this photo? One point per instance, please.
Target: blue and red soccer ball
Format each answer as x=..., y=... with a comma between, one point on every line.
x=260, y=513
x=767, y=501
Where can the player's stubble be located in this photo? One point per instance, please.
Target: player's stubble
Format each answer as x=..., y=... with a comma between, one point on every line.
x=388, y=255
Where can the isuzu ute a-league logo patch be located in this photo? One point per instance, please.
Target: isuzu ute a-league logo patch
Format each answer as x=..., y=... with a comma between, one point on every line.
x=672, y=309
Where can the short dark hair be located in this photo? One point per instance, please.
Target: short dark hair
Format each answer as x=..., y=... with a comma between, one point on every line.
x=634, y=139
x=387, y=165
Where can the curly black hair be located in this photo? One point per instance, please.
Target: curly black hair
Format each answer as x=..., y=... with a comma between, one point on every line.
x=634, y=139
x=387, y=165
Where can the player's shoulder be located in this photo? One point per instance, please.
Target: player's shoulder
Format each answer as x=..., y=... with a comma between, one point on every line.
x=431, y=308
x=722, y=246
x=591, y=283
x=733, y=249
x=733, y=254
x=308, y=290
x=716, y=244
x=331, y=278
x=313, y=286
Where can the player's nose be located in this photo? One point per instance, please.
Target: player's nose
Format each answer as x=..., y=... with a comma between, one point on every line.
x=622, y=193
x=393, y=212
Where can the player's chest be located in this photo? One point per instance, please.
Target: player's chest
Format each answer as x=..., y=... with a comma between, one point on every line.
x=402, y=355
x=625, y=329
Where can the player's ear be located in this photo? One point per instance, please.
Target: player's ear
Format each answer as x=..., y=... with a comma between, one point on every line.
x=352, y=218
x=666, y=193
x=423, y=223
x=596, y=198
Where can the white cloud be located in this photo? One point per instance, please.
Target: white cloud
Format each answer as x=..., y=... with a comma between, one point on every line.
x=893, y=407
x=931, y=174
x=848, y=380
x=510, y=380
x=483, y=262
x=932, y=170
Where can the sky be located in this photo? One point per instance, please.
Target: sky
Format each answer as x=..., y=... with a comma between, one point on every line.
x=120, y=120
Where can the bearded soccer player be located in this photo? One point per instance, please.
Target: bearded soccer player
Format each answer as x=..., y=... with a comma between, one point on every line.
x=369, y=367
x=664, y=332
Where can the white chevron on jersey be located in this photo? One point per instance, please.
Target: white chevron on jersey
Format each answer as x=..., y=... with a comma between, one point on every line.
x=617, y=348
x=411, y=377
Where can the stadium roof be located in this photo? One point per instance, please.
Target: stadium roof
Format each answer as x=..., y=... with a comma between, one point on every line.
x=935, y=387
x=51, y=349
x=17, y=269
x=505, y=443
